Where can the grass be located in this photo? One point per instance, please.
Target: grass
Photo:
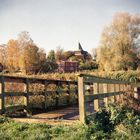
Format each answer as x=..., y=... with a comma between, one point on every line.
x=131, y=75
x=113, y=122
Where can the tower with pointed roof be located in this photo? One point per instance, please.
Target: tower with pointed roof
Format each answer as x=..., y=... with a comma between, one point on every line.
x=80, y=52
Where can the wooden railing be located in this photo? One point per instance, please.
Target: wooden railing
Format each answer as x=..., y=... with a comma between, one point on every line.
x=95, y=92
x=25, y=92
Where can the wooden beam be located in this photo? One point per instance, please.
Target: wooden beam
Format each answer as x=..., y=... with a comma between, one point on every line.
x=81, y=95
x=90, y=78
x=96, y=93
x=2, y=92
x=26, y=98
x=90, y=97
x=46, y=94
x=105, y=90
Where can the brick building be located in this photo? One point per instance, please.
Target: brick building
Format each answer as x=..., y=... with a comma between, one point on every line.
x=67, y=66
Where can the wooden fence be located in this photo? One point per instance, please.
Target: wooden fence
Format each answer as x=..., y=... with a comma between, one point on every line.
x=95, y=92
x=25, y=92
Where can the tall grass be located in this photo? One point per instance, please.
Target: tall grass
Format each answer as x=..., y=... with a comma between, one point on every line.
x=120, y=75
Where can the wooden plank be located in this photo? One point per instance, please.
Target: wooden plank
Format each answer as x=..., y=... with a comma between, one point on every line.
x=121, y=97
x=95, y=92
x=7, y=94
x=90, y=97
x=90, y=78
x=14, y=80
x=68, y=92
x=2, y=92
x=46, y=94
x=105, y=90
x=26, y=99
x=21, y=79
x=111, y=98
x=57, y=94
x=104, y=81
x=117, y=89
x=81, y=95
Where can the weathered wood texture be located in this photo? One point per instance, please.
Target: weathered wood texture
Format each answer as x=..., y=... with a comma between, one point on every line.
x=26, y=93
x=82, y=105
x=104, y=91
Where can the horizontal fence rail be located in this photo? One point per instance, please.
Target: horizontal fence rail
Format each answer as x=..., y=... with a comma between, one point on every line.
x=49, y=87
x=95, y=92
x=92, y=93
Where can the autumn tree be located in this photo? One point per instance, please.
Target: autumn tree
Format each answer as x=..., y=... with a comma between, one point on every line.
x=12, y=55
x=29, y=53
x=31, y=58
x=3, y=54
x=119, y=43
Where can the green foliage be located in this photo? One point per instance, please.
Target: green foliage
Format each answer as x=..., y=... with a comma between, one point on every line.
x=113, y=122
x=131, y=76
x=51, y=56
x=88, y=65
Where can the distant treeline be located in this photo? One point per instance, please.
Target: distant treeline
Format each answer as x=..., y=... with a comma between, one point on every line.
x=23, y=55
x=119, y=49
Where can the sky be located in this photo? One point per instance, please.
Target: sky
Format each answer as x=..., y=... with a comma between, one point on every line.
x=61, y=23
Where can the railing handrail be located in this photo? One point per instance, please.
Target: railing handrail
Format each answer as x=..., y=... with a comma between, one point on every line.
x=35, y=78
x=102, y=88
x=102, y=79
x=26, y=93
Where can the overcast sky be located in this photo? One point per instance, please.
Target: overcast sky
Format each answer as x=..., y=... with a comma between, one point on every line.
x=53, y=23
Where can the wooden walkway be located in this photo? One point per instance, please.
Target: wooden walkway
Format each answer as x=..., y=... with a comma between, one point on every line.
x=67, y=113
x=67, y=116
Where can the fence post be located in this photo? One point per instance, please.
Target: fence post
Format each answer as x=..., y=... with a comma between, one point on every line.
x=116, y=89
x=109, y=90
x=26, y=98
x=81, y=94
x=2, y=100
x=122, y=95
x=105, y=90
x=119, y=97
x=96, y=91
x=112, y=88
x=45, y=94
x=68, y=92
x=57, y=93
